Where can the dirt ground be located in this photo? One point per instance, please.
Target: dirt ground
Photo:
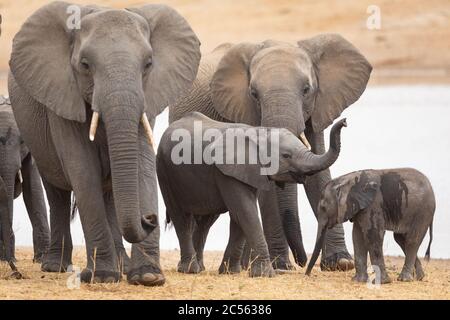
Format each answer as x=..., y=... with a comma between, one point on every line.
x=412, y=45
x=211, y=285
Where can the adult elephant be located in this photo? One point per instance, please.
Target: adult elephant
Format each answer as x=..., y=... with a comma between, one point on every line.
x=120, y=66
x=302, y=88
x=19, y=174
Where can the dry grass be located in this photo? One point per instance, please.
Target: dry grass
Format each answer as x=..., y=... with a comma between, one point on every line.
x=211, y=285
x=411, y=47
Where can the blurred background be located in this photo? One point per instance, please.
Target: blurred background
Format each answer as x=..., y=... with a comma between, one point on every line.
x=401, y=120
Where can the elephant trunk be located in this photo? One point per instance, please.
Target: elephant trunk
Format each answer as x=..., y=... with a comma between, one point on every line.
x=122, y=113
x=309, y=163
x=321, y=233
x=291, y=223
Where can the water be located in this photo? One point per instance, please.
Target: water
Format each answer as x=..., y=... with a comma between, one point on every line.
x=389, y=127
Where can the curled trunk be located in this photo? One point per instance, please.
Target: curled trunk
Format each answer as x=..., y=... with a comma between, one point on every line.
x=311, y=163
x=321, y=233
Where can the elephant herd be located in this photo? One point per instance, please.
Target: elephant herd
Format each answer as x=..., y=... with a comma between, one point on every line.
x=85, y=100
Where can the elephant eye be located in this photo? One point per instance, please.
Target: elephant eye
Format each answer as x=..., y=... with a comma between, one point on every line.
x=148, y=64
x=84, y=64
x=306, y=89
x=287, y=156
x=254, y=93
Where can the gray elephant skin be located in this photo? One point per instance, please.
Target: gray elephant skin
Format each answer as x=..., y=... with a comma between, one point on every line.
x=19, y=174
x=100, y=82
x=302, y=88
x=192, y=190
x=399, y=200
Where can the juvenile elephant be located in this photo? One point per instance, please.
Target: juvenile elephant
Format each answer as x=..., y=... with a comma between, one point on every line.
x=19, y=174
x=399, y=200
x=122, y=67
x=214, y=186
x=303, y=88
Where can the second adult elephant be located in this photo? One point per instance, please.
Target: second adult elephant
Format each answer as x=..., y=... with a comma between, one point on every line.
x=122, y=67
x=302, y=88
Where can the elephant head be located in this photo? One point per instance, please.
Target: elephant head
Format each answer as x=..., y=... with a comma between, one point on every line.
x=120, y=66
x=341, y=200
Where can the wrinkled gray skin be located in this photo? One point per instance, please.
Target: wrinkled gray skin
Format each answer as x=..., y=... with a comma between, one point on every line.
x=302, y=88
x=121, y=63
x=193, y=190
x=18, y=173
x=399, y=200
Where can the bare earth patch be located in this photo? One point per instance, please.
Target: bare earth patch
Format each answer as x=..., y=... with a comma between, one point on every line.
x=211, y=285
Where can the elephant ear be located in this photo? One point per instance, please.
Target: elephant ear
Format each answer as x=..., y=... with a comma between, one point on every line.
x=342, y=75
x=250, y=172
x=176, y=56
x=361, y=195
x=40, y=60
x=230, y=85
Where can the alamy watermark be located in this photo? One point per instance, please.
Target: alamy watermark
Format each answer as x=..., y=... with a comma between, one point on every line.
x=229, y=146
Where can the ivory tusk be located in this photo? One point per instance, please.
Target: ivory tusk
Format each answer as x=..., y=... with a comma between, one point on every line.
x=20, y=176
x=94, y=125
x=148, y=130
x=304, y=140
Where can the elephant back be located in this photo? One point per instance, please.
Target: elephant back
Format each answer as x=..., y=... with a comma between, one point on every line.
x=199, y=96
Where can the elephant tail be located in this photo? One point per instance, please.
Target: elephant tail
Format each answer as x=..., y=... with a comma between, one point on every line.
x=427, y=254
x=73, y=207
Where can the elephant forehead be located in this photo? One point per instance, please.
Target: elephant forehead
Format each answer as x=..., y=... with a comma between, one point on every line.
x=107, y=22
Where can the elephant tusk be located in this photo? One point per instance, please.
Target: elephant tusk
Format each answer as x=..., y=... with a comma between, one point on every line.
x=94, y=125
x=20, y=176
x=148, y=130
x=304, y=140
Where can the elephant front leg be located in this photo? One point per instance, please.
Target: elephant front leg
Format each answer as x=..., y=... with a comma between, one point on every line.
x=59, y=255
x=373, y=238
x=361, y=251
x=33, y=197
x=273, y=231
x=335, y=255
x=231, y=262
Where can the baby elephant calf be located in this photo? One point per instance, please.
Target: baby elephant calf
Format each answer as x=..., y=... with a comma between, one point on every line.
x=399, y=200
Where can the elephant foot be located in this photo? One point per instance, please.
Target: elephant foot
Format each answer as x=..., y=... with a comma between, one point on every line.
x=420, y=275
x=148, y=276
x=262, y=268
x=283, y=264
x=38, y=258
x=54, y=266
x=384, y=279
x=227, y=267
x=360, y=277
x=341, y=261
x=190, y=266
x=405, y=276
x=100, y=276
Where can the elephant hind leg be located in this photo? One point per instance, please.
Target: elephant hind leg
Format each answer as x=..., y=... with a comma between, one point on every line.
x=59, y=255
x=231, y=262
x=400, y=239
x=200, y=233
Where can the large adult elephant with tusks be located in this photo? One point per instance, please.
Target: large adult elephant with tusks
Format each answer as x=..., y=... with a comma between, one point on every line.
x=84, y=96
x=301, y=87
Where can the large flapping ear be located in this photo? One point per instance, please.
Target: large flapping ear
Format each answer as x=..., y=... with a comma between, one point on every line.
x=342, y=74
x=230, y=85
x=176, y=56
x=40, y=60
x=250, y=171
x=361, y=195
